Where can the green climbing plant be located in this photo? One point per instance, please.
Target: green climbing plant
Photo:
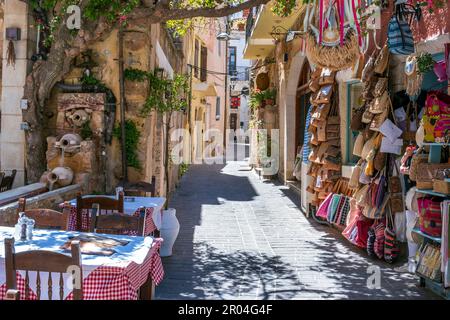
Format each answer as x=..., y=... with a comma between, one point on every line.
x=132, y=136
x=164, y=95
x=425, y=62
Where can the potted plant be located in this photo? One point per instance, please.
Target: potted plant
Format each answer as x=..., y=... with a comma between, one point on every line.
x=257, y=99
x=270, y=96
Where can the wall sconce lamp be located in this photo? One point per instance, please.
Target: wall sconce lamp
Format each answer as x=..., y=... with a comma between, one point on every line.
x=12, y=34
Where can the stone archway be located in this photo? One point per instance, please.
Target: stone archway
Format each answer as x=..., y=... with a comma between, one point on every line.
x=288, y=119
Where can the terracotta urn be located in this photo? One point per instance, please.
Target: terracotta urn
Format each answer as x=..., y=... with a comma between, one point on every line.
x=61, y=177
x=169, y=231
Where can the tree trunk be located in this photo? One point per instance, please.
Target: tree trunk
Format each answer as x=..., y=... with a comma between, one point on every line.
x=44, y=75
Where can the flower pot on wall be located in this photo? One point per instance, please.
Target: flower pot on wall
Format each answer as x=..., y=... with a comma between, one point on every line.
x=262, y=81
x=270, y=113
x=169, y=231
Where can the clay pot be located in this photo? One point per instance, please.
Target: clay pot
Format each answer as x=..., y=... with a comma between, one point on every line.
x=69, y=140
x=80, y=117
x=262, y=81
x=169, y=231
x=61, y=177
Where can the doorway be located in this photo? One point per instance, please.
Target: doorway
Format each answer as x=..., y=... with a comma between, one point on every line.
x=301, y=107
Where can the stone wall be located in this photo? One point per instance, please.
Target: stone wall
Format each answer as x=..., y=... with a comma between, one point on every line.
x=49, y=200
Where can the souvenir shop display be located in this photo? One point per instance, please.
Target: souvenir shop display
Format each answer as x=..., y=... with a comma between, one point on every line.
x=429, y=262
x=398, y=191
x=324, y=129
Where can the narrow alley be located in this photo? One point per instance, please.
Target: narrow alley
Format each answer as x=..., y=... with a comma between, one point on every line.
x=242, y=238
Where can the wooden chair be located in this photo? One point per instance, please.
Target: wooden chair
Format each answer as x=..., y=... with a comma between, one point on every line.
x=40, y=261
x=46, y=218
x=140, y=189
x=116, y=223
x=107, y=205
x=7, y=181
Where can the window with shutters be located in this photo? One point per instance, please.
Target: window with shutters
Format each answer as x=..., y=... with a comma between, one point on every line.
x=196, y=57
x=203, y=64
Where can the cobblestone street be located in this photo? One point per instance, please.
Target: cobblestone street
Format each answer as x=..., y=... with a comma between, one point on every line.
x=242, y=238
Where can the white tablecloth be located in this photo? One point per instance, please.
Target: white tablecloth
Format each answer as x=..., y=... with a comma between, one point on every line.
x=135, y=251
x=132, y=204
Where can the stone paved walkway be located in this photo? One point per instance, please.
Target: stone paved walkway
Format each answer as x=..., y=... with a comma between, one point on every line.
x=242, y=238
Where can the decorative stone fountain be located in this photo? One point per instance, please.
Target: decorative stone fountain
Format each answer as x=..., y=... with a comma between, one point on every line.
x=70, y=158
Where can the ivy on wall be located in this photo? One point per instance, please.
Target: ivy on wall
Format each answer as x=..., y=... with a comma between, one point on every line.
x=132, y=136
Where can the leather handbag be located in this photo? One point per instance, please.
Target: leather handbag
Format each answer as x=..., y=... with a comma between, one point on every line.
x=367, y=116
x=369, y=67
x=382, y=60
x=321, y=112
x=354, y=178
x=380, y=104
x=327, y=77
x=358, y=145
x=378, y=120
x=356, y=123
x=381, y=87
x=314, y=85
x=322, y=130
x=324, y=95
x=333, y=151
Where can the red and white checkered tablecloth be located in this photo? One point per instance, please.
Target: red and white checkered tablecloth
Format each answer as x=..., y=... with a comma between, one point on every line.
x=85, y=221
x=111, y=282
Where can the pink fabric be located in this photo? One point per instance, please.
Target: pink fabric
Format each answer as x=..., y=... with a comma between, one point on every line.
x=355, y=17
x=363, y=224
x=320, y=21
x=323, y=208
x=341, y=10
x=111, y=282
x=354, y=213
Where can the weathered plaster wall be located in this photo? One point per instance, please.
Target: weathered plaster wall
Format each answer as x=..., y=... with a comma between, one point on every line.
x=140, y=53
x=13, y=79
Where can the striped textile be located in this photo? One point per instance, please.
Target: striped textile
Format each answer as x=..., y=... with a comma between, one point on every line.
x=398, y=43
x=307, y=137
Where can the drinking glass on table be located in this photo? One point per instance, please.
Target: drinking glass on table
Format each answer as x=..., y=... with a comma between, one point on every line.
x=118, y=190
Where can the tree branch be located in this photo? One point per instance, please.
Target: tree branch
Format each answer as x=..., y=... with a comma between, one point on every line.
x=163, y=13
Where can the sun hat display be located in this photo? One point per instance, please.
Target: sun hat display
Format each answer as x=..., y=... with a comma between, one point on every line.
x=329, y=45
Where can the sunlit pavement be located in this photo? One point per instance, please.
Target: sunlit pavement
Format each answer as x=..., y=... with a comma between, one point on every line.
x=242, y=238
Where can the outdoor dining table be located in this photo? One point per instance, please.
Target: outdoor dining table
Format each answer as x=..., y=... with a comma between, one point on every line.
x=116, y=277
x=132, y=206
